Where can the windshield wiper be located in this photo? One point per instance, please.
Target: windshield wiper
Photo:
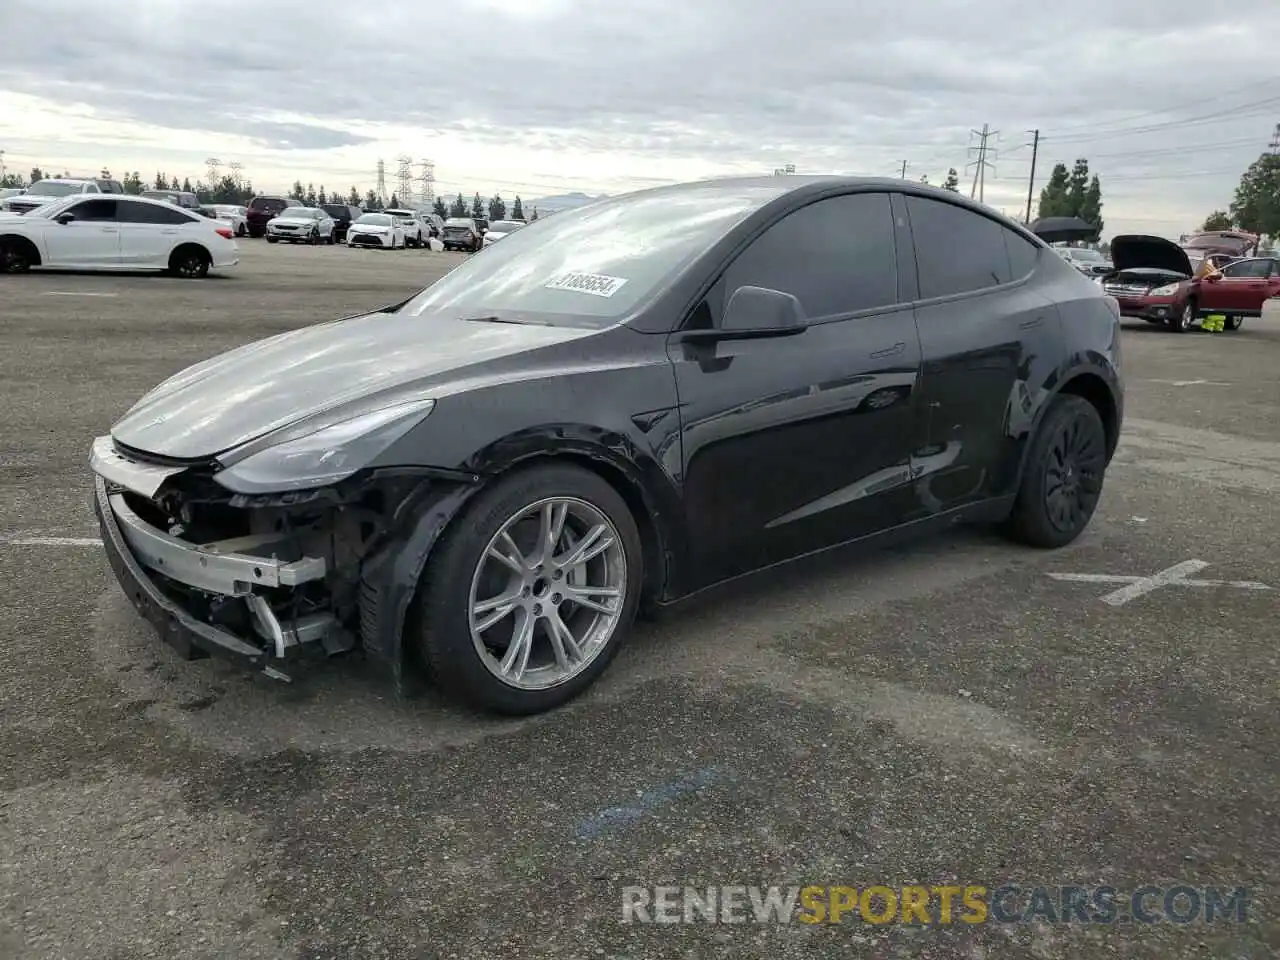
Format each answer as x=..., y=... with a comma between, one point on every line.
x=517, y=320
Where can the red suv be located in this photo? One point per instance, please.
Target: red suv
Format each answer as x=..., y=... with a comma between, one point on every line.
x=264, y=208
x=1154, y=280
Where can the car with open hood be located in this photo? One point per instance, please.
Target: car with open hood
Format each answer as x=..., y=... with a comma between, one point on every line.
x=1155, y=280
x=498, y=229
x=619, y=406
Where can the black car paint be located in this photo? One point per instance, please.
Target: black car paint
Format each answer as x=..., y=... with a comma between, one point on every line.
x=732, y=454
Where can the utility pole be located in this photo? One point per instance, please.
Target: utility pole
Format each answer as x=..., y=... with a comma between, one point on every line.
x=904, y=169
x=1031, y=182
x=980, y=165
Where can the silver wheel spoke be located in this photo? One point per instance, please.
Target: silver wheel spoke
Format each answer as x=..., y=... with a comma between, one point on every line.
x=553, y=517
x=517, y=656
x=563, y=643
x=505, y=551
x=595, y=542
x=496, y=608
x=585, y=597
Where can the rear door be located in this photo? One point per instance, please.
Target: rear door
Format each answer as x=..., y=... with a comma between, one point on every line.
x=148, y=233
x=91, y=240
x=990, y=342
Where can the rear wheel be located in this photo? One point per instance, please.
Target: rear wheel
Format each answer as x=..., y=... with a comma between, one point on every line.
x=530, y=593
x=240, y=230
x=1062, y=480
x=190, y=262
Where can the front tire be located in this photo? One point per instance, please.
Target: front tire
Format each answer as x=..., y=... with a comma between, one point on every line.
x=1062, y=480
x=531, y=592
x=1185, y=319
x=1232, y=323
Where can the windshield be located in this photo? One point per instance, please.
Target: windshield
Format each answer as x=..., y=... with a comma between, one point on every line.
x=505, y=226
x=335, y=210
x=1083, y=253
x=299, y=213
x=596, y=263
x=47, y=188
x=50, y=210
x=455, y=222
x=377, y=219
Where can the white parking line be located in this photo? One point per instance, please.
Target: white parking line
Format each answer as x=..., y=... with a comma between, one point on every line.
x=52, y=541
x=76, y=293
x=1193, y=383
x=1176, y=576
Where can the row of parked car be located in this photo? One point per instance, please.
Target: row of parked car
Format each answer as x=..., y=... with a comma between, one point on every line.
x=288, y=220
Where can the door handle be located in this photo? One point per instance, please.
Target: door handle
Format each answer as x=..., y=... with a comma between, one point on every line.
x=896, y=349
x=1028, y=324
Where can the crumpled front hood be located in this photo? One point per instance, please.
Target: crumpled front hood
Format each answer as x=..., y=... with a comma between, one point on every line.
x=355, y=365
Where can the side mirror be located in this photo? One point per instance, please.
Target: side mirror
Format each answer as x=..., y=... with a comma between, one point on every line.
x=65, y=218
x=760, y=309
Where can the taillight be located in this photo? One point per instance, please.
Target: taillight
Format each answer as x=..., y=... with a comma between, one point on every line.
x=225, y=232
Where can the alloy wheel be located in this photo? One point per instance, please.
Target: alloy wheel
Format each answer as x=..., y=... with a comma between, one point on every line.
x=1187, y=317
x=548, y=593
x=1073, y=479
x=191, y=266
x=14, y=259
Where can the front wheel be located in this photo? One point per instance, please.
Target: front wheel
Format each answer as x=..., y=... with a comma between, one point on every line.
x=1232, y=323
x=1185, y=319
x=1062, y=480
x=530, y=593
x=273, y=239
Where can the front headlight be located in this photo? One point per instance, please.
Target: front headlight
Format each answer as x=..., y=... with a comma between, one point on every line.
x=1168, y=290
x=325, y=456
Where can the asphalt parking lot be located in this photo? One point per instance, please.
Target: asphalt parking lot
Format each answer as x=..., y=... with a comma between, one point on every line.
x=945, y=712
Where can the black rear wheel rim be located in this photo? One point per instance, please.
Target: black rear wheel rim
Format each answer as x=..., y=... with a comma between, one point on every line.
x=1073, y=478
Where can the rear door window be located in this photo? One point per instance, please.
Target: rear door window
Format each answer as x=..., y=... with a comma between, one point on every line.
x=958, y=250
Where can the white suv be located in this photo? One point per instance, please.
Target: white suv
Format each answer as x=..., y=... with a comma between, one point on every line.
x=415, y=231
x=46, y=191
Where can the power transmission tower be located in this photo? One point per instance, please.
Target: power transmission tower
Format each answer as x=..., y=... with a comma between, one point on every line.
x=213, y=163
x=381, y=190
x=787, y=171
x=981, y=163
x=1275, y=141
x=427, y=179
x=236, y=174
x=1031, y=181
x=404, y=174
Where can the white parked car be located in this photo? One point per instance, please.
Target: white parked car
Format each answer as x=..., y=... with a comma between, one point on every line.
x=499, y=229
x=415, y=231
x=301, y=225
x=376, y=230
x=233, y=216
x=46, y=191
x=109, y=232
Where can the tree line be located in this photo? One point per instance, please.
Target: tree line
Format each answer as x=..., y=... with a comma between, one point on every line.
x=1073, y=193
x=1255, y=206
x=229, y=190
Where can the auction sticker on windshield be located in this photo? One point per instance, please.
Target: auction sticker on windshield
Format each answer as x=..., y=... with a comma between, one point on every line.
x=595, y=284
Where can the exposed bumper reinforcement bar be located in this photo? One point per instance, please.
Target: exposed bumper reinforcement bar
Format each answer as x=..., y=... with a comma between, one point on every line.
x=190, y=637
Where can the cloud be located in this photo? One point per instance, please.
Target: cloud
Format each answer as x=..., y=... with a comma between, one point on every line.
x=552, y=95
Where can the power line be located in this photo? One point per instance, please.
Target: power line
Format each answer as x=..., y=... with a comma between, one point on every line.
x=1217, y=97
x=1241, y=111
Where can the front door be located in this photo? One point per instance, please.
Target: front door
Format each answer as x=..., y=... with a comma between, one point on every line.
x=1241, y=289
x=990, y=342
x=800, y=442
x=90, y=241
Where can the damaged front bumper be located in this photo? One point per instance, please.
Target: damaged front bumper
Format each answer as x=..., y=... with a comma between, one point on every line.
x=238, y=581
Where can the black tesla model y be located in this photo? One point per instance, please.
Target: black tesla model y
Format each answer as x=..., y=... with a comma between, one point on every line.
x=619, y=405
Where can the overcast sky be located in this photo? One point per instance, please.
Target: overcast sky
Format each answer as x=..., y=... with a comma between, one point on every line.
x=540, y=97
